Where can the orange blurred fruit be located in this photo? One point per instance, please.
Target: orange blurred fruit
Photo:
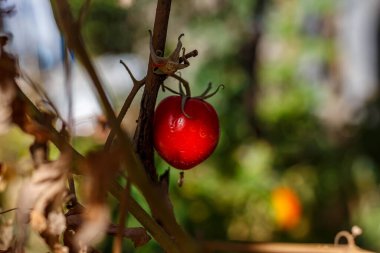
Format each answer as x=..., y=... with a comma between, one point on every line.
x=287, y=207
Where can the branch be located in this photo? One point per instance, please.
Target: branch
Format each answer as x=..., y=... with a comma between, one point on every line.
x=83, y=12
x=154, y=194
x=144, y=132
x=116, y=190
x=135, y=88
x=117, y=244
x=280, y=247
x=138, y=235
x=163, y=212
x=193, y=53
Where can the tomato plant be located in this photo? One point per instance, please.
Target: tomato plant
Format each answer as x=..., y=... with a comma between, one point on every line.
x=185, y=138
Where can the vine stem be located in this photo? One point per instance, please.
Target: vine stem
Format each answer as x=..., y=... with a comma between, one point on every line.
x=116, y=189
x=144, y=132
x=143, y=138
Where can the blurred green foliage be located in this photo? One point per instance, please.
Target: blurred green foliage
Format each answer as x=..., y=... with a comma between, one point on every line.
x=106, y=28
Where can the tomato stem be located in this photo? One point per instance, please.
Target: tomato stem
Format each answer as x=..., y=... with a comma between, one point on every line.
x=183, y=104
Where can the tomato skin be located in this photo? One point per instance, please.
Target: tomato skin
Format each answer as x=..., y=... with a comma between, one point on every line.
x=181, y=141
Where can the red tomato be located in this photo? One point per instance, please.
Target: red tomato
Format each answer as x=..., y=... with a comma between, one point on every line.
x=182, y=141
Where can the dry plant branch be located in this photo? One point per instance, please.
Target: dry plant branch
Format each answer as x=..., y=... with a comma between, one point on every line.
x=70, y=124
x=60, y=141
x=135, y=88
x=117, y=244
x=280, y=248
x=8, y=210
x=83, y=12
x=193, y=53
x=144, y=135
x=155, y=195
x=144, y=132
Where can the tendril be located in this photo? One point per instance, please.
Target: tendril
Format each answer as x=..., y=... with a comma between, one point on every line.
x=206, y=94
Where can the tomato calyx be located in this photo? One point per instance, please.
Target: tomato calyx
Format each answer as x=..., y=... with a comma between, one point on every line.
x=185, y=93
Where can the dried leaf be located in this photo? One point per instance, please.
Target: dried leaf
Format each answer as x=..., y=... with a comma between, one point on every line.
x=99, y=167
x=7, y=95
x=8, y=71
x=23, y=117
x=7, y=173
x=56, y=223
x=6, y=235
x=38, y=221
x=60, y=249
x=96, y=220
x=44, y=193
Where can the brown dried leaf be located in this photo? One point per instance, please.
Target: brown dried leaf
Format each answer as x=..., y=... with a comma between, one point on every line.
x=8, y=71
x=6, y=235
x=96, y=219
x=7, y=95
x=23, y=117
x=56, y=223
x=38, y=221
x=100, y=168
x=7, y=173
x=43, y=193
x=60, y=249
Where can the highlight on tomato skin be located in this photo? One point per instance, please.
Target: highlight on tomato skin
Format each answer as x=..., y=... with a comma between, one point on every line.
x=184, y=142
x=287, y=208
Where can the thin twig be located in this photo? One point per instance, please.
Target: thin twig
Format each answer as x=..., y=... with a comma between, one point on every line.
x=193, y=53
x=70, y=125
x=117, y=243
x=9, y=210
x=42, y=93
x=83, y=12
x=135, y=88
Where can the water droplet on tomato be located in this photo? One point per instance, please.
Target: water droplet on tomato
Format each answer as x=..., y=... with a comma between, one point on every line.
x=176, y=125
x=202, y=133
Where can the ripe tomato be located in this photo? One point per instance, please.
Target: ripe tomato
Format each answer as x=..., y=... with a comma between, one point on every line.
x=183, y=141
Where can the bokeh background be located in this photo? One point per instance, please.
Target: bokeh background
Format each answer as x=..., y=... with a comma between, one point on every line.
x=298, y=159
